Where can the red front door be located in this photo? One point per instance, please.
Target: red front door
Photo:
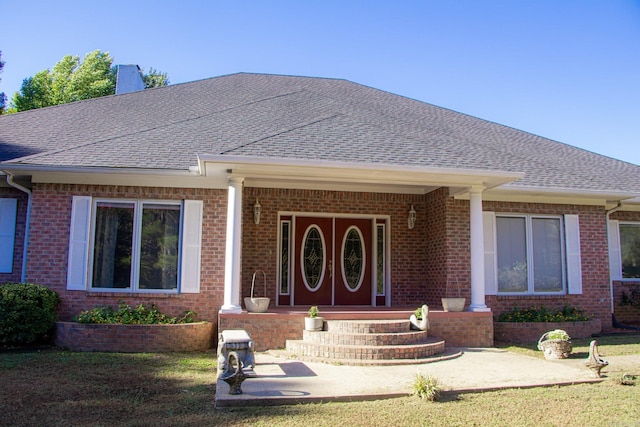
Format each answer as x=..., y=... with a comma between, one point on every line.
x=332, y=264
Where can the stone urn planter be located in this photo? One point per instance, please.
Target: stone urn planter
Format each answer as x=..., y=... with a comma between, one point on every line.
x=555, y=344
x=313, y=322
x=453, y=304
x=257, y=304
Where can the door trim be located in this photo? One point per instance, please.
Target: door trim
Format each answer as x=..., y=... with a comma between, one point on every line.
x=291, y=216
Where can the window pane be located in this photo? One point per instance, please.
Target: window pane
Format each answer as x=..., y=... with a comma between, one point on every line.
x=159, y=245
x=381, y=251
x=630, y=250
x=353, y=259
x=512, y=254
x=284, y=259
x=112, y=248
x=547, y=255
x=313, y=258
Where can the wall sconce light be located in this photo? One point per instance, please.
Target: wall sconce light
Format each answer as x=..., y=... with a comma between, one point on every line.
x=257, y=210
x=412, y=218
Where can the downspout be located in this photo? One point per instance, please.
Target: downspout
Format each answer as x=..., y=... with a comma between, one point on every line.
x=25, y=246
x=614, y=322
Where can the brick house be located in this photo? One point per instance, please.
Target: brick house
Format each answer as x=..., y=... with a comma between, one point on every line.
x=344, y=195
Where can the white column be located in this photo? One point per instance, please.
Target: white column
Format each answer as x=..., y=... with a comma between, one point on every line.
x=477, y=251
x=233, y=248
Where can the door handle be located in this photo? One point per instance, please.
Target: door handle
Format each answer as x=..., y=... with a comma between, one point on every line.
x=330, y=269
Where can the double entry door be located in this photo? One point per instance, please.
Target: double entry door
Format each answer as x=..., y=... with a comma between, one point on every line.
x=332, y=262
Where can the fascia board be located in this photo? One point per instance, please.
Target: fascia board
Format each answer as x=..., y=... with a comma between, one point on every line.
x=256, y=168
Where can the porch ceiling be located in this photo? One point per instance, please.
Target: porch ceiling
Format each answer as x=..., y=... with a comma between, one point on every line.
x=305, y=174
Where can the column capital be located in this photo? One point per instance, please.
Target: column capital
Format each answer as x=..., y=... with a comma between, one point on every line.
x=235, y=180
x=477, y=189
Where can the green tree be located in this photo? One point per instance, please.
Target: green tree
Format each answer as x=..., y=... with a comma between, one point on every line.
x=71, y=80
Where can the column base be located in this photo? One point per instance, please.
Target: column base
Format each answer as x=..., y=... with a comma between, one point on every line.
x=234, y=309
x=479, y=308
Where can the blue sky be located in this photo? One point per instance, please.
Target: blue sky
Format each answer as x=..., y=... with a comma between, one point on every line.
x=563, y=69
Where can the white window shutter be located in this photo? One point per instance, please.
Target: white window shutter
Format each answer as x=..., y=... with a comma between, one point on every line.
x=191, y=247
x=8, y=210
x=615, y=255
x=574, y=263
x=79, y=243
x=490, y=262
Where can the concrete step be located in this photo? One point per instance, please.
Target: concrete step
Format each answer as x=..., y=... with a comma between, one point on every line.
x=365, y=339
x=380, y=326
x=366, y=352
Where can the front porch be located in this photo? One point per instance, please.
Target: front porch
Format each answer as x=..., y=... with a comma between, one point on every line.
x=271, y=330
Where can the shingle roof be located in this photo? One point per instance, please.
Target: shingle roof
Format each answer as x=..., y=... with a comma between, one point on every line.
x=290, y=117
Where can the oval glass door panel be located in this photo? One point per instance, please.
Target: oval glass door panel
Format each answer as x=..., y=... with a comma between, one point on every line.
x=313, y=258
x=353, y=259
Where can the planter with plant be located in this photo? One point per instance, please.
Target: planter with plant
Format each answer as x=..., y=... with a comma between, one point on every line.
x=453, y=303
x=313, y=322
x=555, y=344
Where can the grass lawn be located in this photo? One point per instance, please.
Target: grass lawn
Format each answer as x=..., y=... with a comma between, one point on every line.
x=62, y=388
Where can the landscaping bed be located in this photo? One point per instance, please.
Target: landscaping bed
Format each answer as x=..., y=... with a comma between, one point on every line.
x=524, y=332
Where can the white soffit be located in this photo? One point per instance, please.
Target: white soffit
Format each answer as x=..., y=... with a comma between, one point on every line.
x=285, y=173
x=563, y=196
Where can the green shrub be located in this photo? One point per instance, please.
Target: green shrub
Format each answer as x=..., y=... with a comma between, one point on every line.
x=127, y=315
x=27, y=313
x=541, y=314
x=426, y=387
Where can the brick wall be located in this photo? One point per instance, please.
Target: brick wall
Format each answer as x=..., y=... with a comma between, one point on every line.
x=18, y=247
x=49, y=241
x=408, y=250
x=135, y=338
x=268, y=330
x=595, y=298
x=462, y=329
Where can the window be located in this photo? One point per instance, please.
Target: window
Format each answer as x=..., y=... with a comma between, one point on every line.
x=530, y=254
x=8, y=209
x=135, y=245
x=630, y=250
x=380, y=259
x=285, y=231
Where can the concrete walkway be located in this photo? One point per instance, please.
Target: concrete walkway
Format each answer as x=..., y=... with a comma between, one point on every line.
x=282, y=380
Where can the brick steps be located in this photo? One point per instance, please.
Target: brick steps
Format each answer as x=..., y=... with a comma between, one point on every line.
x=368, y=342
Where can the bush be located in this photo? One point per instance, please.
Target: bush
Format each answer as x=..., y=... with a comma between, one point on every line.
x=27, y=313
x=127, y=315
x=426, y=387
x=541, y=314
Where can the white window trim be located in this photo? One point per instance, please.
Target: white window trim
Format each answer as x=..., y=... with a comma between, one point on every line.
x=620, y=276
x=529, y=246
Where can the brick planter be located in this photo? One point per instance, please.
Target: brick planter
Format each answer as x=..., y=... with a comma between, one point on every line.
x=530, y=332
x=135, y=338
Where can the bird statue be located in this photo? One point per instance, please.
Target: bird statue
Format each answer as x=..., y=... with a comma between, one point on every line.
x=422, y=323
x=594, y=361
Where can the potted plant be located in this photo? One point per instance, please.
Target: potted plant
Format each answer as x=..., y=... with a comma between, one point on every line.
x=555, y=344
x=313, y=322
x=453, y=303
x=420, y=318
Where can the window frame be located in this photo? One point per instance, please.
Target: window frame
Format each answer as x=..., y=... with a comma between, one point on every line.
x=529, y=244
x=620, y=224
x=139, y=204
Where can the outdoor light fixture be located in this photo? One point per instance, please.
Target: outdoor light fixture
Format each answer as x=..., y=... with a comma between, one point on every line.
x=257, y=210
x=412, y=218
